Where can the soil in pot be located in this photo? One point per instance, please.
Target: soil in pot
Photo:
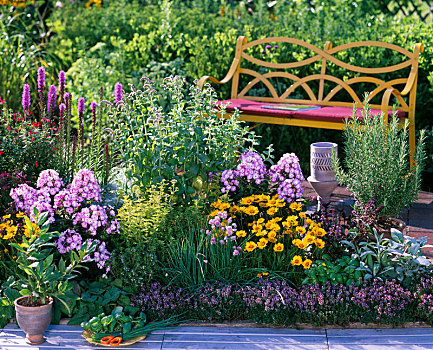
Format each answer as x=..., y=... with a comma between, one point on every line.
x=33, y=320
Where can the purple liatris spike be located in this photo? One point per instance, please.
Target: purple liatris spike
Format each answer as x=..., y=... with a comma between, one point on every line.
x=52, y=97
x=93, y=106
x=26, y=98
x=117, y=92
x=66, y=96
x=62, y=108
x=41, y=79
x=62, y=80
x=81, y=103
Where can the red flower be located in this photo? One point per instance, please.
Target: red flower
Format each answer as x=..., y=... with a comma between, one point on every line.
x=36, y=164
x=1, y=152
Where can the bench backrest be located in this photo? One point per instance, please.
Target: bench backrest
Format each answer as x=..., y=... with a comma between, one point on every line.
x=323, y=57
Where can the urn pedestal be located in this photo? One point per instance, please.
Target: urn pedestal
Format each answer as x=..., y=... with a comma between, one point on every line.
x=322, y=177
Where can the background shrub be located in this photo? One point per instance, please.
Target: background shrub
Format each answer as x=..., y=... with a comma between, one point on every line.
x=197, y=38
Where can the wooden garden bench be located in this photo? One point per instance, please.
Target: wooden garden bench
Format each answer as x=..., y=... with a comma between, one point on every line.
x=332, y=113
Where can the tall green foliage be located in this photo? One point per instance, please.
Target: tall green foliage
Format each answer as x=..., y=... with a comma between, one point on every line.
x=377, y=161
x=184, y=143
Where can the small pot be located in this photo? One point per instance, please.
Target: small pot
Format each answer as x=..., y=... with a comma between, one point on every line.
x=33, y=320
x=385, y=224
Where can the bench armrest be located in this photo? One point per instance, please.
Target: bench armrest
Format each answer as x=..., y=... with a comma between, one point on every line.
x=385, y=100
x=226, y=79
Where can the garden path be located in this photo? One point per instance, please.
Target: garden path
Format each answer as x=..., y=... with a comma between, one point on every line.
x=61, y=337
x=419, y=217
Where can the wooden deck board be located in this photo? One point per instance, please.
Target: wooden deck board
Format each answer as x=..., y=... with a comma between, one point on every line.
x=62, y=337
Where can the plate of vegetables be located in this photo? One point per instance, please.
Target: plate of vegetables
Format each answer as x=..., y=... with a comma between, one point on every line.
x=119, y=329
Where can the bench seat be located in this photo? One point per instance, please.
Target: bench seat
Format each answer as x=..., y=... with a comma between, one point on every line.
x=326, y=113
x=282, y=78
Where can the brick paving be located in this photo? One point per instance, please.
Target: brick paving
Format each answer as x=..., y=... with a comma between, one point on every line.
x=419, y=217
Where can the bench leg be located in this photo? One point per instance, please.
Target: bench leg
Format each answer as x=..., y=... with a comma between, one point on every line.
x=411, y=143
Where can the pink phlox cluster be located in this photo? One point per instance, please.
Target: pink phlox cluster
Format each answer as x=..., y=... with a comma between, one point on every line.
x=86, y=186
x=101, y=255
x=48, y=184
x=42, y=207
x=67, y=200
x=96, y=216
x=287, y=174
x=24, y=196
x=251, y=168
x=69, y=240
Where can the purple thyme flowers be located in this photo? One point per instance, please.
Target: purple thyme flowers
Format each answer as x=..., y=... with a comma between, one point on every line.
x=26, y=101
x=274, y=301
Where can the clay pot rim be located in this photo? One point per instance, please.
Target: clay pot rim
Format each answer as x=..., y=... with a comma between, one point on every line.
x=49, y=304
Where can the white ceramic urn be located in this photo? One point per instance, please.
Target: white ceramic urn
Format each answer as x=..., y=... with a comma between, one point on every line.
x=322, y=177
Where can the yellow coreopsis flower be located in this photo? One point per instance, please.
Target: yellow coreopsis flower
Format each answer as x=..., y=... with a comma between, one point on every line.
x=247, y=201
x=302, y=245
x=302, y=215
x=307, y=263
x=301, y=230
x=251, y=210
x=309, y=239
x=257, y=228
x=271, y=236
x=295, y=206
x=262, y=243
x=241, y=233
x=234, y=209
x=319, y=243
x=250, y=246
x=271, y=211
x=280, y=203
x=297, y=260
x=260, y=275
x=279, y=247
x=320, y=232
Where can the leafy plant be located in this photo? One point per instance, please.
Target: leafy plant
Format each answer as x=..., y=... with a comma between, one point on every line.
x=135, y=266
x=142, y=219
x=185, y=144
x=40, y=279
x=384, y=259
x=343, y=270
x=7, y=297
x=94, y=298
x=377, y=162
x=26, y=146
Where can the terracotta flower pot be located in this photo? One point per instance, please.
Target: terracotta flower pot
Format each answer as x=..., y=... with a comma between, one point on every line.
x=33, y=320
x=385, y=224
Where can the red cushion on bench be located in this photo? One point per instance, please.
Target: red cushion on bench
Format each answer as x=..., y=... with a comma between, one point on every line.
x=326, y=113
